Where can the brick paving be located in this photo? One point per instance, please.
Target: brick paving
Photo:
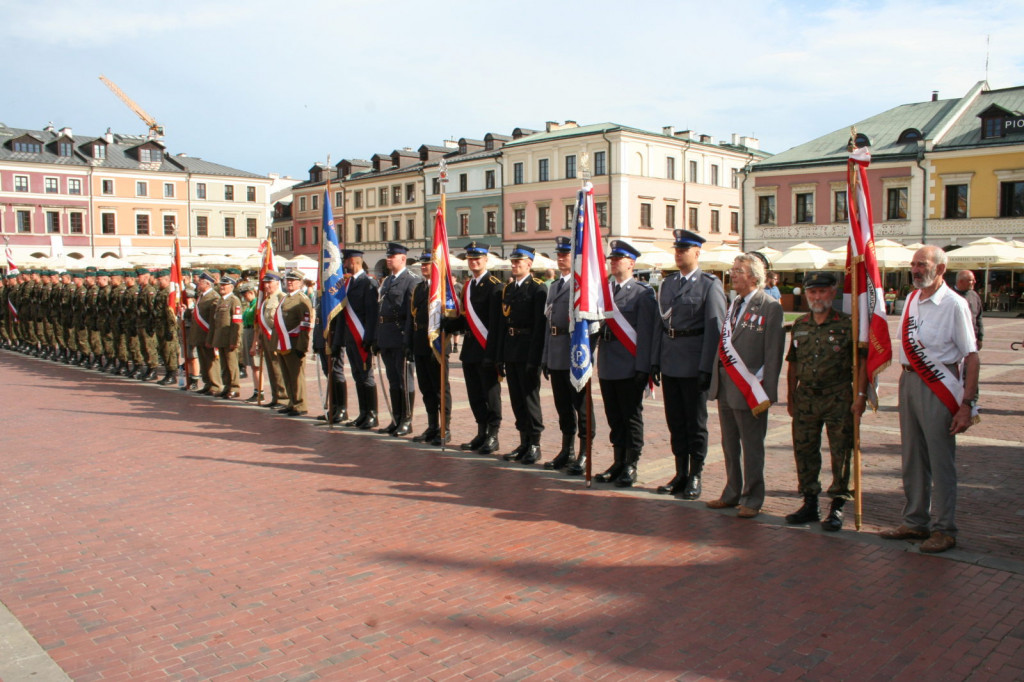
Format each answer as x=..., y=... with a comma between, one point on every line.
x=153, y=534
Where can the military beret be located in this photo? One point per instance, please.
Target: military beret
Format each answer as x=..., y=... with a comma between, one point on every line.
x=90, y=271
x=141, y=270
x=620, y=248
x=396, y=249
x=233, y=270
x=103, y=273
x=563, y=244
x=685, y=238
x=164, y=272
x=820, y=279
x=521, y=252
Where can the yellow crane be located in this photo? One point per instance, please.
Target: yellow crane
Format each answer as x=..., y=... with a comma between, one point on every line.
x=155, y=129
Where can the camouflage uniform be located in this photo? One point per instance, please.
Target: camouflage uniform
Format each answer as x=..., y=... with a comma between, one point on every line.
x=166, y=336
x=79, y=322
x=67, y=308
x=129, y=313
x=117, y=325
x=824, y=395
x=106, y=322
x=146, y=327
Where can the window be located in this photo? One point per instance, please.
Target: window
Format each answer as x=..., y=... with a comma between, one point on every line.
x=357, y=198
x=519, y=223
x=28, y=147
x=21, y=183
x=410, y=192
x=141, y=189
x=542, y=170
x=992, y=126
x=202, y=226
x=250, y=227
x=99, y=151
x=142, y=223
x=396, y=194
x=645, y=214
x=601, y=208
x=200, y=190
x=840, y=212
x=463, y=224
x=909, y=135
x=735, y=179
x=570, y=216
x=570, y=166
x=302, y=236
x=383, y=196
x=896, y=203
x=1011, y=199
x=24, y=220
x=315, y=199
x=51, y=185
x=229, y=192
x=463, y=182
x=398, y=229
x=358, y=237
x=693, y=171
x=600, y=164
x=804, y=207
x=489, y=179
x=315, y=231
x=250, y=193
x=383, y=230
x=106, y=186
x=74, y=186
x=714, y=174
x=302, y=204
x=956, y=201
x=492, y=222
x=108, y=224
x=339, y=199
x=75, y=223
x=543, y=218
x=693, y=224
x=715, y=218
x=670, y=168
x=766, y=210
x=53, y=222
x=410, y=229
x=435, y=185
x=670, y=216
x=517, y=173
x=229, y=227
x=734, y=223
x=150, y=156
x=169, y=224
x=168, y=190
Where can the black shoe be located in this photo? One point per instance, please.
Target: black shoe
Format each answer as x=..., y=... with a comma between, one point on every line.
x=490, y=445
x=517, y=454
x=273, y=404
x=285, y=409
x=475, y=444
x=806, y=513
x=404, y=429
x=389, y=429
x=430, y=434
x=564, y=455
x=692, y=490
x=676, y=485
x=436, y=440
x=370, y=423
x=531, y=456
x=356, y=423
x=295, y=413
x=833, y=523
x=168, y=379
x=627, y=478
x=578, y=465
x=254, y=398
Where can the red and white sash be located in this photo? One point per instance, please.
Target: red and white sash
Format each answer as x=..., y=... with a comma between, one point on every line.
x=198, y=319
x=748, y=384
x=354, y=324
x=14, y=311
x=268, y=331
x=476, y=325
x=284, y=339
x=936, y=376
x=236, y=315
x=620, y=326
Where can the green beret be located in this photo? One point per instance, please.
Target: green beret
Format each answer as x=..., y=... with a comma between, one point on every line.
x=141, y=271
x=166, y=272
x=103, y=273
x=90, y=271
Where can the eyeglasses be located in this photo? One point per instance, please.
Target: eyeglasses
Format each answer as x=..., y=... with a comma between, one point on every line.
x=737, y=271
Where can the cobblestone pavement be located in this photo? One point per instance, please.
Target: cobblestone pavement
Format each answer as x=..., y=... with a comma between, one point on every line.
x=154, y=534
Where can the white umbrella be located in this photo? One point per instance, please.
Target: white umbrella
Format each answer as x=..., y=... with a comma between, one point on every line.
x=801, y=258
x=985, y=253
x=541, y=262
x=719, y=257
x=656, y=259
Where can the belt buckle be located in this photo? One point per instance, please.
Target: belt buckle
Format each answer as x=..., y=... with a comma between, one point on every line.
x=511, y=331
x=554, y=331
x=671, y=333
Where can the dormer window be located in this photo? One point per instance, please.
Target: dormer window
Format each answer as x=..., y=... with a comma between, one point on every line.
x=993, y=126
x=909, y=135
x=28, y=147
x=150, y=156
x=99, y=151
x=65, y=148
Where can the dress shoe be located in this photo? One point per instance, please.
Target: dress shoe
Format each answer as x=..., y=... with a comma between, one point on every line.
x=692, y=489
x=273, y=404
x=474, y=444
x=559, y=462
x=806, y=513
x=254, y=398
x=610, y=474
x=404, y=429
x=427, y=435
x=285, y=408
x=747, y=512
x=720, y=504
x=295, y=413
x=833, y=523
x=389, y=429
x=938, y=542
x=531, y=455
x=904, y=533
x=517, y=454
x=489, y=446
x=674, y=486
x=357, y=422
x=230, y=395
x=627, y=477
x=436, y=440
x=205, y=390
x=578, y=465
x=371, y=421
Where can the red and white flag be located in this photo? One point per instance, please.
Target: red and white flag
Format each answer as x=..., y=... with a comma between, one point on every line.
x=591, y=297
x=175, y=296
x=12, y=269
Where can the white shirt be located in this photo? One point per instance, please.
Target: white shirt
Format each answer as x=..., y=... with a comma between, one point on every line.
x=944, y=327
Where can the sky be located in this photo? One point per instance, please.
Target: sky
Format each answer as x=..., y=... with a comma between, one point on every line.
x=274, y=87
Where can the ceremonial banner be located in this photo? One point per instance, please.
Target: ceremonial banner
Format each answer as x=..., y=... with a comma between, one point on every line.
x=442, y=284
x=331, y=284
x=591, y=296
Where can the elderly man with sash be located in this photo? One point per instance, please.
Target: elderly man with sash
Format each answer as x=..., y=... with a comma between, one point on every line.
x=746, y=382
x=266, y=313
x=292, y=326
x=355, y=331
x=938, y=399
x=202, y=319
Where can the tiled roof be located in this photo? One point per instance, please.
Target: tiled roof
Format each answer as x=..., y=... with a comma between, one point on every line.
x=966, y=132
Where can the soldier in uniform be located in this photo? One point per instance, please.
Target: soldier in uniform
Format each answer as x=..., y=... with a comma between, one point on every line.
x=480, y=324
x=130, y=325
x=820, y=380
x=76, y=340
x=120, y=344
x=91, y=320
x=394, y=297
x=428, y=368
x=166, y=327
x=45, y=321
x=295, y=313
x=27, y=314
x=146, y=324
x=225, y=334
x=624, y=361
x=520, y=352
x=202, y=319
x=360, y=314
x=106, y=320
x=4, y=332
x=264, y=343
x=569, y=402
x=692, y=307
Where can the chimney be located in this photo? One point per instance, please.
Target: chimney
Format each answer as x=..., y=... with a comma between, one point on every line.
x=65, y=132
x=736, y=139
x=570, y=124
x=451, y=144
x=707, y=139
x=935, y=95
x=108, y=137
x=685, y=134
x=668, y=130
x=550, y=125
x=750, y=142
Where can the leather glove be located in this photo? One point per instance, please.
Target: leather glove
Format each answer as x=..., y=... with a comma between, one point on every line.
x=500, y=366
x=640, y=378
x=544, y=369
x=656, y=374
x=704, y=380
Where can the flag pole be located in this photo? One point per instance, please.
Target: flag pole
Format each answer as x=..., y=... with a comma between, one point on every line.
x=443, y=173
x=852, y=179
x=588, y=474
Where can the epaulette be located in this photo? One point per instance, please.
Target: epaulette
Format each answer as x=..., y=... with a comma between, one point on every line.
x=537, y=281
x=494, y=280
x=645, y=285
x=709, y=275
x=505, y=288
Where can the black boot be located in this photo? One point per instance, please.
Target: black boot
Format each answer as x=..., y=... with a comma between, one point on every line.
x=396, y=416
x=437, y=441
x=692, y=490
x=432, y=430
x=371, y=408
x=628, y=476
x=834, y=521
x=517, y=454
x=678, y=482
x=532, y=454
x=490, y=444
x=578, y=465
x=612, y=473
x=405, y=425
x=340, y=403
x=564, y=455
x=361, y=417
x=478, y=440
x=169, y=378
x=807, y=513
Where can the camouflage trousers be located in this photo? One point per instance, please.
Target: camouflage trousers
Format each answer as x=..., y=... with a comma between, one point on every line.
x=147, y=343
x=811, y=412
x=168, y=349
x=135, y=349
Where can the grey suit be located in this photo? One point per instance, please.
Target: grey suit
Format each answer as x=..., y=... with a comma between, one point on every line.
x=394, y=300
x=557, y=343
x=758, y=338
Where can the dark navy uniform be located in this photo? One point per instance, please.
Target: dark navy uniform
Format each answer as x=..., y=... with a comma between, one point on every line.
x=362, y=302
x=394, y=298
x=428, y=368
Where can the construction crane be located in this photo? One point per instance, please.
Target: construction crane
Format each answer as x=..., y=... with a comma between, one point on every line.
x=155, y=129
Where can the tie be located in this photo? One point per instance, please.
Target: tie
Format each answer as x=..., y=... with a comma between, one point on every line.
x=736, y=313
x=616, y=288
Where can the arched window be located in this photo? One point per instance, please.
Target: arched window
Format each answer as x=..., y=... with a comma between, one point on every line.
x=909, y=135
